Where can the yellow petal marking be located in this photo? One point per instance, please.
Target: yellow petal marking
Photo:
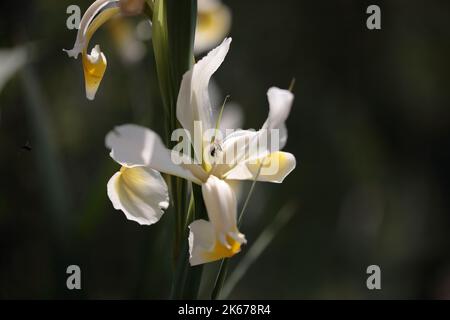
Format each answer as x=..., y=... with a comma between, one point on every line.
x=271, y=165
x=220, y=251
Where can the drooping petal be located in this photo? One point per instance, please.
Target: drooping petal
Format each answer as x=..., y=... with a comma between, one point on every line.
x=94, y=64
x=213, y=24
x=221, y=204
x=133, y=145
x=193, y=102
x=83, y=34
x=201, y=240
x=274, y=168
x=140, y=192
x=94, y=67
x=205, y=246
x=219, y=237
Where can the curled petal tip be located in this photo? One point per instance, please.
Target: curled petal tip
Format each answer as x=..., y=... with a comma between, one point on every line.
x=72, y=53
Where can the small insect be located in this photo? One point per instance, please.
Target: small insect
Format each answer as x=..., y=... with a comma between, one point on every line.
x=215, y=147
x=26, y=146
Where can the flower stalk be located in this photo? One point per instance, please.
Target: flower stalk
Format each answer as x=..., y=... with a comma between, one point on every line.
x=173, y=41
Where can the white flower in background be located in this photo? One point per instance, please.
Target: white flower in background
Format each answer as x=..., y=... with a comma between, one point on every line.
x=213, y=24
x=11, y=60
x=139, y=148
x=131, y=49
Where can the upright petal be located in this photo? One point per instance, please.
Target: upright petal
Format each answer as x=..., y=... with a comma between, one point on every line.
x=280, y=103
x=140, y=192
x=133, y=145
x=243, y=148
x=193, y=102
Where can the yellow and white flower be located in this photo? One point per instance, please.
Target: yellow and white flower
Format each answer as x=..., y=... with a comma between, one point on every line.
x=225, y=161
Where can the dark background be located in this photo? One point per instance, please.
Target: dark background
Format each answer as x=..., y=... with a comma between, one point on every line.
x=369, y=129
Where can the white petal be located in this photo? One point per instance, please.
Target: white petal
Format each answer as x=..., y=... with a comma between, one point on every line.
x=133, y=145
x=206, y=245
x=275, y=167
x=89, y=15
x=221, y=204
x=236, y=149
x=244, y=146
x=140, y=192
x=280, y=103
x=193, y=102
x=219, y=238
x=202, y=239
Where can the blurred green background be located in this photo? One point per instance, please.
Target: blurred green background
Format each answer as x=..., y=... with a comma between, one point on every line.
x=369, y=128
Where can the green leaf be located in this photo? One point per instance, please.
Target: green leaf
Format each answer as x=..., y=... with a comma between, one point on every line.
x=174, y=24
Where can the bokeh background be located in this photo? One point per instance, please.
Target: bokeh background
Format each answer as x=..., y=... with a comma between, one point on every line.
x=369, y=127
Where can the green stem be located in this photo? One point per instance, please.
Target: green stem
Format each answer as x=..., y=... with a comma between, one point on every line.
x=174, y=24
